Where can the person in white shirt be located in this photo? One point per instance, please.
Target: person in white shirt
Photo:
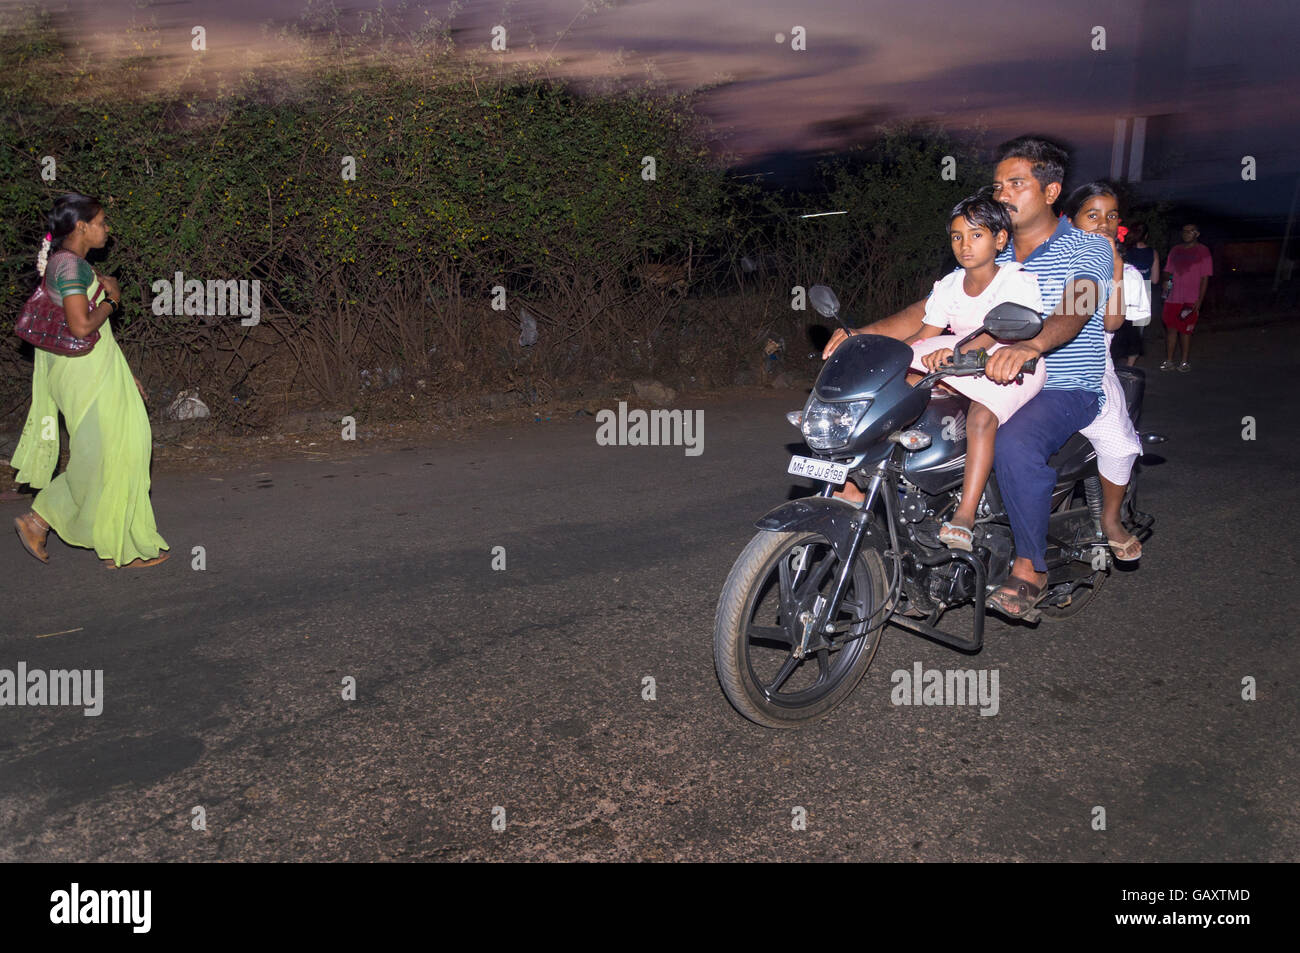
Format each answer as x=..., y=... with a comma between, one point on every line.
x=978, y=229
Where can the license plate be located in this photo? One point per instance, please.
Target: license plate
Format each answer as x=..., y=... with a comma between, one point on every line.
x=818, y=469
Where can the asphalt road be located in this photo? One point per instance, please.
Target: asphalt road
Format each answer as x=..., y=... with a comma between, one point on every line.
x=521, y=689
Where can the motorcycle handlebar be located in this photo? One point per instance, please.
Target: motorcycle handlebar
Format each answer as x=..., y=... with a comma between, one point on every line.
x=975, y=367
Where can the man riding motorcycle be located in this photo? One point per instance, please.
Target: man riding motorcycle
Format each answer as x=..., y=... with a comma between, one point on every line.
x=1073, y=268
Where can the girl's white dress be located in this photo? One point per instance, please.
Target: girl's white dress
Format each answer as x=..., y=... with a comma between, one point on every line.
x=1112, y=433
x=949, y=306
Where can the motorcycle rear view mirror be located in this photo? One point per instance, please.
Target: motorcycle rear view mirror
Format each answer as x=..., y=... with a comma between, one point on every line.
x=1013, y=322
x=824, y=301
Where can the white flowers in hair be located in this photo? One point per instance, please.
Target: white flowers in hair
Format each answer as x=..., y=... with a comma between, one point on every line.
x=43, y=255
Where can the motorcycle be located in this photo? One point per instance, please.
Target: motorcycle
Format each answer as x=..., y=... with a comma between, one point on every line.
x=802, y=612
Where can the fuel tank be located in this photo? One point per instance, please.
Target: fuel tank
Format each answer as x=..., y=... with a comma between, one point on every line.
x=939, y=467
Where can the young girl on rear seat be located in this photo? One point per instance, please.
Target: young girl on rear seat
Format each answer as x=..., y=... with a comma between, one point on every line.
x=978, y=229
x=1095, y=208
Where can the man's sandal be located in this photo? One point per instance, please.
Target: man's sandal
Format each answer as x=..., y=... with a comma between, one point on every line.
x=1017, y=597
x=956, y=536
x=1129, y=552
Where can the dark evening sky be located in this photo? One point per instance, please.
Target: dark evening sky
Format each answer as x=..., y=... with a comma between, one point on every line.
x=1219, y=80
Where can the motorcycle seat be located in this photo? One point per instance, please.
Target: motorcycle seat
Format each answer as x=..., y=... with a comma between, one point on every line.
x=1072, y=457
x=1133, y=381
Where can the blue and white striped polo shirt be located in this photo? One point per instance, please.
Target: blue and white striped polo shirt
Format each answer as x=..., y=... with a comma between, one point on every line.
x=1080, y=363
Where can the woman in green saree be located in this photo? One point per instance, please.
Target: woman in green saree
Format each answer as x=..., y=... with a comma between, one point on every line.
x=101, y=501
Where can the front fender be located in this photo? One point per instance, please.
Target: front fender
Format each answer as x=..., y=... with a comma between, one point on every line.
x=828, y=517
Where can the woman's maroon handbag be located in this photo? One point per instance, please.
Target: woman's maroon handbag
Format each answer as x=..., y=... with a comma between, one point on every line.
x=44, y=324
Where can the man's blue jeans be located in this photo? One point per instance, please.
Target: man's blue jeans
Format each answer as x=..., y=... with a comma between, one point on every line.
x=1024, y=444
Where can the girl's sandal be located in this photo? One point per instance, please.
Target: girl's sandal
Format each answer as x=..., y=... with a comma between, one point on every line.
x=1017, y=597
x=139, y=563
x=1129, y=552
x=956, y=536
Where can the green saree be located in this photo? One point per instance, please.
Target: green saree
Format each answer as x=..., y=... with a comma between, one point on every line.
x=101, y=501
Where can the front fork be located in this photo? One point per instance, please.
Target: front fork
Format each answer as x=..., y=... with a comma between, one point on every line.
x=823, y=610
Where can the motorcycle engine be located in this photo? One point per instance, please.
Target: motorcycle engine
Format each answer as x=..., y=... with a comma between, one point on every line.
x=913, y=506
x=951, y=583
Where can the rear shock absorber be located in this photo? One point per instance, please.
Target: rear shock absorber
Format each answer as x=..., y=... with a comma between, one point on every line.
x=1092, y=490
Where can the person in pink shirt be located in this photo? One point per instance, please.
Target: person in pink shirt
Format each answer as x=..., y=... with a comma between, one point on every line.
x=1190, y=267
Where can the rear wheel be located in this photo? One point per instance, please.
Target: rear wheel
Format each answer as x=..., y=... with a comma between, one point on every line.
x=1086, y=589
x=770, y=593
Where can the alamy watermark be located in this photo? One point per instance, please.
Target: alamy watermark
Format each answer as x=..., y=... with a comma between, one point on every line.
x=651, y=428
x=951, y=687
x=77, y=906
x=77, y=687
x=211, y=298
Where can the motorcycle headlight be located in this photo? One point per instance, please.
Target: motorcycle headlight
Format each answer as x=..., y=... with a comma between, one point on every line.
x=829, y=426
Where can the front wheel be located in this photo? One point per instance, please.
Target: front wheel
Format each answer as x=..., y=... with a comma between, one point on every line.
x=771, y=590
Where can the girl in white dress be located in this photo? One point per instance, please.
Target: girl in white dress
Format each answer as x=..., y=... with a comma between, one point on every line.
x=979, y=228
x=1095, y=208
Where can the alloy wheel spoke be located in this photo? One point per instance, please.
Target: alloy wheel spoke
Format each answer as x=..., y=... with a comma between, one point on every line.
x=791, y=663
x=817, y=576
x=853, y=609
x=823, y=665
x=787, y=586
x=770, y=633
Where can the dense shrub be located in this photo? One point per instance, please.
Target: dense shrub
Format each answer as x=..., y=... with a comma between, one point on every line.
x=465, y=181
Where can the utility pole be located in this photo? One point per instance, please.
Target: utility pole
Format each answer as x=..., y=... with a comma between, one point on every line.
x=1286, y=237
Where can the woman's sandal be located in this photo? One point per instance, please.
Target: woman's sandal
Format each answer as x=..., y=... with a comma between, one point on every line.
x=956, y=536
x=162, y=557
x=1129, y=552
x=32, y=532
x=1016, y=597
